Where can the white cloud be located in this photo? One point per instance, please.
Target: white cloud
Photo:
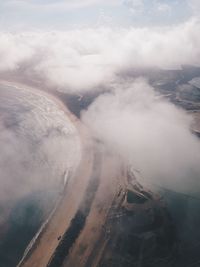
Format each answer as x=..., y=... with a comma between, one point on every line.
x=77, y=60
x=83, y=59
x=149, y=132
x=139, y=6
x=135, y=6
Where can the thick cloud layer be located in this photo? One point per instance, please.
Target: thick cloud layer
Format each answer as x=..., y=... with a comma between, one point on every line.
x=149, y=132
x=82, y=59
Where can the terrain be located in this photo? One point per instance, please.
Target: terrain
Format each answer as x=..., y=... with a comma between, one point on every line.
x=105, y=215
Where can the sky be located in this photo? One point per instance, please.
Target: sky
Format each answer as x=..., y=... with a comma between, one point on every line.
x=65, y=14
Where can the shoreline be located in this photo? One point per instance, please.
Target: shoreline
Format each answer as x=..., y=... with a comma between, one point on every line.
x=77, y=126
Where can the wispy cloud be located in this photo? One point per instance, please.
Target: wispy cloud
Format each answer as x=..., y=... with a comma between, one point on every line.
x=66, y=4
x=61, y=56
x=194, y=5
x=163, y=7
x=135, y=6
x=66, y=13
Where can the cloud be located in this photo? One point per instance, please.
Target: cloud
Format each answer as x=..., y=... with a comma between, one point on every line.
x=149, y=132
x=138, y=7
x=38, y=144
x=195, y=6
x=135, y=6
x=66, y=4
x=13, y=51
x=153, y=134
x=83, y=59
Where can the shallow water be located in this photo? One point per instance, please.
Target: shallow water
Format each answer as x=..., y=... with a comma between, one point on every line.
x=38, y=144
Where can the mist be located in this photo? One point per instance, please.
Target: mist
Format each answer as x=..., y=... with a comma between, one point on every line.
x=37, y=143
x=131, y=118
x=148, y=132
x=82, y=59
